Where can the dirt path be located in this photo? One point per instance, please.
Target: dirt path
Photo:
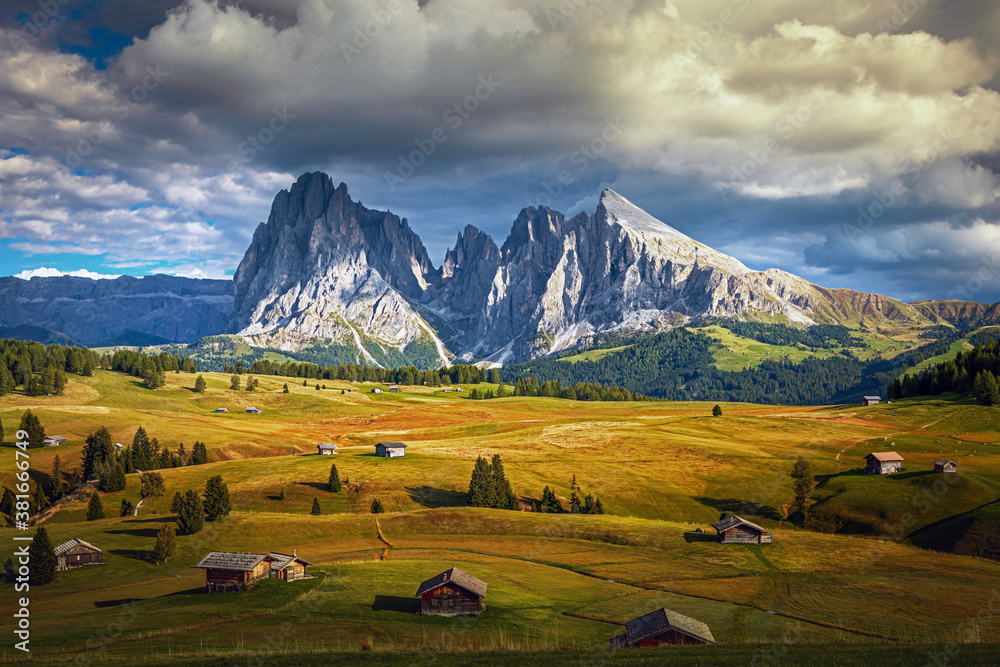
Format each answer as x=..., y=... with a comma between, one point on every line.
x=378, y=529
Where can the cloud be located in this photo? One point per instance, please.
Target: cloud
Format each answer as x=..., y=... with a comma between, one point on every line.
x=741, y=122
x=45, y=272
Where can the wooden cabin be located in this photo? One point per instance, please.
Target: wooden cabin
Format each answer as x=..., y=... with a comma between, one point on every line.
x=663, y=627
x=326, y=448
x=735, y=530
x=390, y=449
x=77, y=553
x=871, y=400
x=53, y=441
x=393, y=390
x=227, y=571
x=376, y=390
x=255, y=411
x=452, y=593
x=945, y=466
x=883, y=463
x=287, y=568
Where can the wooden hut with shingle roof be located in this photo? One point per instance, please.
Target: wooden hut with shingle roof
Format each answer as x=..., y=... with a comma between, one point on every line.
x=288, y=568
x=883, y=463
x=452, y=593
x=77, y=553
x=736, y=530
x=228, y=571
x=663, y=627
x=943, y=465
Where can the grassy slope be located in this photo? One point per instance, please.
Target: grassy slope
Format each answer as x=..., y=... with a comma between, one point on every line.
x=556, y=581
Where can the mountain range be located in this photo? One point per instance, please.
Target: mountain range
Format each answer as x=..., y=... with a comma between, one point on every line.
x=326, y=273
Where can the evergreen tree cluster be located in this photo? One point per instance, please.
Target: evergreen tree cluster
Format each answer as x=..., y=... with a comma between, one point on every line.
x=581, y=391
x=152, y=368
x=973, y=372
x=489, y=486
x=144, y=454
x=41, y=370
x=193, y=510
x=586, y=505
x=817, y=336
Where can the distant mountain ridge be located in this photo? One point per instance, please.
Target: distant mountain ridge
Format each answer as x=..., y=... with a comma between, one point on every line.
x=326, y=273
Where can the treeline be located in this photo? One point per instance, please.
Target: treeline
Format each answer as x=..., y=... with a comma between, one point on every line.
x=972, y=372
x=821, y=336
x=39, y=369
x=580, y=391
x=679, y=365
x=152, y=368
x=406, y=375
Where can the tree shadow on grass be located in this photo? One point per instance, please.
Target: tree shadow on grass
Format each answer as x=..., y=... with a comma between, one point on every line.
x=395, y=603
x=135, y=554
x=188, y=591
x=102, y=604
x=319, y=486
x=137, y=532
x=428, y=496
x=740, y=507
x=910, y=475
x=699, y=537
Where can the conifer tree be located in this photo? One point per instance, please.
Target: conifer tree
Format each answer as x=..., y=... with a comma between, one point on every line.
x=42, y=561
x=284, y=389
x=166, y=540
x=315, y=507
x=200, y=385
x=142, y=450
x=482, y=490
x=234, y=383
x=282, y=496
x=151, y=484
x=589, y=504
x=250, y=384
x=986, y=389
x=175, y=504
x=598, y=506
x=217, y=504
x=95, y=508
x=575, y=506
x=550, y=503
x=334, y=481
x=96, y=451
x=802, y=484
x=191, y=515
x=40, y=501
x=377, y=506
x=31, y=424
x=58, y=486
x=717, y=411
x=113, y=479
x=126, y=508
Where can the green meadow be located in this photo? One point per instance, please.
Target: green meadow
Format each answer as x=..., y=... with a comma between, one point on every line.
x=892, y=566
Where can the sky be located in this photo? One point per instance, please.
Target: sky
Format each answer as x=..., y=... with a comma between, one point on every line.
x=854, y=143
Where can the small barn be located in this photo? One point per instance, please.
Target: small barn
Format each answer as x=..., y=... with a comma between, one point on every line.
x=119, y=447
x=736, y=530
x=393, y=390
x=376, y=390
x=390, y=449
x=221, y=410
x=663, y=627
x=447, y=390
x=945, y=466
x=77, y=553
x=326, y=448
x=254, y=411
x=288, y=568
x=871, y=400
x=227, y=571
x=460, y=390
x=883, y=463
x=53, y=441
x=452, y=593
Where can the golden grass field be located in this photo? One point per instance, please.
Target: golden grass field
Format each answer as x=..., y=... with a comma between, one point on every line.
x=557, y=582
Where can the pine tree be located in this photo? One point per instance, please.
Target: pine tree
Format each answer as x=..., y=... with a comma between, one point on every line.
x=315, y=508
x=503, y=495
x=7, y=502
x=113, y=480
x=96, y=451
x=200, y=385
x=40, y=501
x=142, y=450
x=802, y=483
x=234, y=383
x=175, y=504
x=550, y=503
x=42, y=561
x=589, y=504
x=95, y=509
x=151, y=484
x=482, y=492
x=58, y=486
x=986, y=389
x=284, y=389
x=191, y=515
x=250, y=383
x=217, y=504
x=377, y=507
x=282, y=496
x=717, y=411
x=599, y=506
x=31, y=424
x=334, y=480
x=126, y=508
x=199, y=454
x=166, y=540
x=575, y=506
